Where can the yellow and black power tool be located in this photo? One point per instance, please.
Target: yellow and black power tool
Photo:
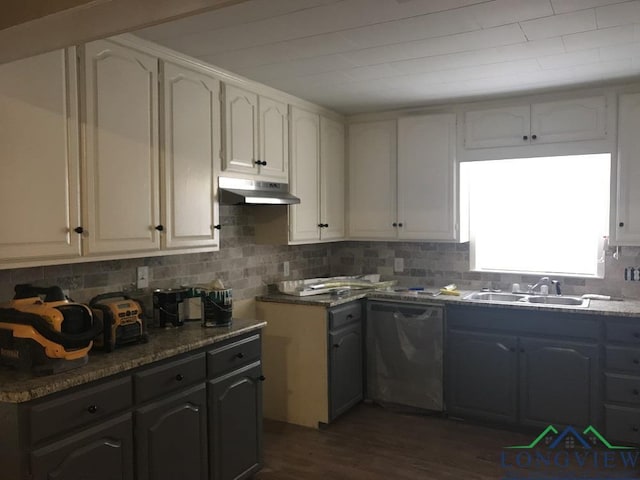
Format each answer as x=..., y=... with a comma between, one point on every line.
x=42, y=331
x=122, y=319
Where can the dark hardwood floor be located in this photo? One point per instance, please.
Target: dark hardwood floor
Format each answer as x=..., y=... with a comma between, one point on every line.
x=372, y=443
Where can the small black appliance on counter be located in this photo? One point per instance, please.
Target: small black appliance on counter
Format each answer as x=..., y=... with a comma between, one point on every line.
x=122, y=317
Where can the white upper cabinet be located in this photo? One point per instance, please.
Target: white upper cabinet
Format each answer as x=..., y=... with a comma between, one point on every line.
x=274, y=139
x=627, y=216
x=332, y=175
x=427, y=202
x=404, y=187
x=39, y=189
x=241, y=130
x=372, y=180
x=255, y=135
x=191, y=145
x=538, y=123
x=121, y=177
x=305, y=170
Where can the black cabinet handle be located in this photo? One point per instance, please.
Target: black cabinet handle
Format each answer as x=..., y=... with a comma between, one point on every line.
x=160, y=228
x=260, y=162
x=217, y=227
x=621, y=224
x=262, y=378
x=525, y=137
x=400, y=224
x=179, y=377
x=533, y=137
x=350, y=316
x=394, y=224
x=522, y=350
x=634, y=428
x=326, y=225
x=240, y=355
x=78, y=230
x=636, y=334
x=636, y=361
x=635, y=391
x=336, y=345
x=92, y=409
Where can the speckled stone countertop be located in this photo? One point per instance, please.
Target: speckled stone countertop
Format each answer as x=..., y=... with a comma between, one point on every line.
x=16, y=387
x=624, y=308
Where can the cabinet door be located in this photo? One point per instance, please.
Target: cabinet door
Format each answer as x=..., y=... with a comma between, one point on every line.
x=481, y=376
x=104, y=452
x=39, y=150
x=235, y=423
x=627, y=227
x=345, y=369
x=332, y=173
x=191, y=147
x=171, y=437
x=274, y=139
x=558, y=383
x=305, y=171
x=497, y=127
x=121, y=175
x=372, y=180
x=426, y=156
x=569, y=120
x=241, y=130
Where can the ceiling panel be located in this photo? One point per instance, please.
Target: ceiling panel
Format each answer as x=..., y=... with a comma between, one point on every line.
x=363, y=55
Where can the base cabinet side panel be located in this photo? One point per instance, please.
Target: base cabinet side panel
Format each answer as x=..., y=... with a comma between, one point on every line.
x=235, y=424
x=104, y=452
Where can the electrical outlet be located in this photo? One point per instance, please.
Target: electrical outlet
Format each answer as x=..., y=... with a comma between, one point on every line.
x=398, y=265
x=143, y=277
x=285, y=266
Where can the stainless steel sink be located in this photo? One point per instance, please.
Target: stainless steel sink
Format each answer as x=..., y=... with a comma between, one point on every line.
x=520, y=298
x=553, y=300
x=496, y=297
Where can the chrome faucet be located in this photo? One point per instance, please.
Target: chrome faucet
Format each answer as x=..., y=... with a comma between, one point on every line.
x=542, y=281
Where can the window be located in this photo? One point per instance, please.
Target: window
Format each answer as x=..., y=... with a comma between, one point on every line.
x=539, y=215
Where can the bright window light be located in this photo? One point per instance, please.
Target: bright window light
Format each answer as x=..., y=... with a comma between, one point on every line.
x=539, y=215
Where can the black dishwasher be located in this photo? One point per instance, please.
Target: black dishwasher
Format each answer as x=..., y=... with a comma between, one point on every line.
x=404, y=344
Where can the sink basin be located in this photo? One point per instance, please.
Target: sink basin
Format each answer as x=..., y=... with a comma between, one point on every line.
x=551, y=300
x=496, y=297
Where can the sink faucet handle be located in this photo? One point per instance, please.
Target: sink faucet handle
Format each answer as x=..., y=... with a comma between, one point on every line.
x=556, y=283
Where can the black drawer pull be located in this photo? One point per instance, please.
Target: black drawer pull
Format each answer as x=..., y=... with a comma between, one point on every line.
x=240, y=355
x=634, y=428
x=262, y=378
x=636, y=361
x=78, y=230
x=525, y=137
x=92, y=409
x=179, y=377
x=336, y=345
x=350, y=316
x=635, y=391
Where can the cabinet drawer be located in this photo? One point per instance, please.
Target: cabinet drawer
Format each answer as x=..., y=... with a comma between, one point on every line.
x=233, y=355
x=345, y=314
x=622, y=388
x=622, y=424
x=169, y=377
x=627, y=332
x=78, y=409
x=623, y=358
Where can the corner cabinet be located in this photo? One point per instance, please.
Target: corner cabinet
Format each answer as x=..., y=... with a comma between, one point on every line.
x=626, y=230
x=390, y=201
x=255, y=135
x=121, y=175
x=39, y=147
x=190, y=153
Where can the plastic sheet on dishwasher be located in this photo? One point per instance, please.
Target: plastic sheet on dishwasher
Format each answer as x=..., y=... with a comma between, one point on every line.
x=404, y=357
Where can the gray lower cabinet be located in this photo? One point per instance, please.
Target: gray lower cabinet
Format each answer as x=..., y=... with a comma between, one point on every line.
x=103, y=452
x=235, y=426
x=345, y=357
x=558, y=382
x=171, y=437
x=345, y=368
x=482, y=372
x=530, y=368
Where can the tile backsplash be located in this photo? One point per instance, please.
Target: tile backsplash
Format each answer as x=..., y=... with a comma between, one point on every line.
x=248, y=267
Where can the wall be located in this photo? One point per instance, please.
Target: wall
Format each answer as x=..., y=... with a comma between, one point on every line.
x=241, y=264
x=438, y=264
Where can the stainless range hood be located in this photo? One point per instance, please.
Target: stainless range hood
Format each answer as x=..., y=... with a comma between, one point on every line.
x=239, y=191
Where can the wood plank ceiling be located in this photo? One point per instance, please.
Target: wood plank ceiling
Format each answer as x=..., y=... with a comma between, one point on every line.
x=366, y=55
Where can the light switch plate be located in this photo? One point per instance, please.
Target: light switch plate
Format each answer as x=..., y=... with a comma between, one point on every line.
x=398, y=265
x=143, y=277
